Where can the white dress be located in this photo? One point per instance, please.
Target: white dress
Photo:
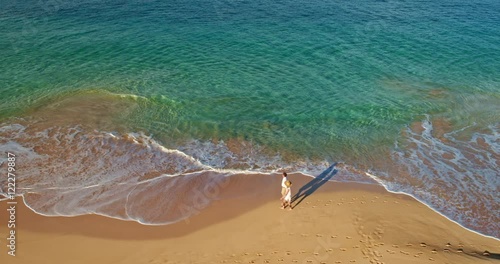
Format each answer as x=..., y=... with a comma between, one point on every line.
x=283, y=182
x=288, y=196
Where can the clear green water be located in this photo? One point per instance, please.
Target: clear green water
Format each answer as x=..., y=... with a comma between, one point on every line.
x=334, y=75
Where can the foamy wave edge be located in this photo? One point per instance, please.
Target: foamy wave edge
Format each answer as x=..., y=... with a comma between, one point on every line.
x=348, y=174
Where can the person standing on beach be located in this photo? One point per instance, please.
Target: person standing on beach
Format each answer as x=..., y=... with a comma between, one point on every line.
x=287, y=196
x=283, y=186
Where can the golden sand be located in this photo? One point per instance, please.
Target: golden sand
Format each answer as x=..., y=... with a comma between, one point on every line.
x=335, y=223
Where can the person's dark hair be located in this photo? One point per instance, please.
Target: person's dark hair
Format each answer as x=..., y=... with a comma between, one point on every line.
x=284, y=174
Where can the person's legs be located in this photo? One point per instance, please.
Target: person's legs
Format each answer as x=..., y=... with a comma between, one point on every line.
x=282, y=199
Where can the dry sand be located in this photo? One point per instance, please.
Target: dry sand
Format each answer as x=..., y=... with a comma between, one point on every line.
x=337, y=223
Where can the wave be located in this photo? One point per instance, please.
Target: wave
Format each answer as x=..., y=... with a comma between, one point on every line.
x=70, y=171
x=454, y=172
x=74, y=170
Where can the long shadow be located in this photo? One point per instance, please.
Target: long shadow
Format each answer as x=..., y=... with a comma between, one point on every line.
x=314, y=184
x=493, y=256
x=484, y=255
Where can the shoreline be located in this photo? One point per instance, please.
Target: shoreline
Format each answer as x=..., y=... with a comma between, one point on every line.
x=39, y=141
x=346, y=221
x=377, y=185
x=434, y=210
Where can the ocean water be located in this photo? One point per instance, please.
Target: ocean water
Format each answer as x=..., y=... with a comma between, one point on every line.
x=114, y=105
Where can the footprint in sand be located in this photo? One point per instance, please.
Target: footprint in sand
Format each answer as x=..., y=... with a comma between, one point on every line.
x=333, y=236
x=448, y=244
x=404, y=252
x=304, y=235
x=391, y=251
x=423, y=244
x=343, y=249
x=356, y=246
x=460, y=250
x=409, y=245
x=338, y=261
x=348, y=237
x=395, y=246
x=446, y=250
x=431, y=259
x=433, y=251
x=319, y=235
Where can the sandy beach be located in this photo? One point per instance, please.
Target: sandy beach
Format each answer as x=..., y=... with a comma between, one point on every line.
x=332, y=223
x=157, y=132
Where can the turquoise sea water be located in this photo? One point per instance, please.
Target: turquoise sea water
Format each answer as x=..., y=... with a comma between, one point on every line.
x=306, y=81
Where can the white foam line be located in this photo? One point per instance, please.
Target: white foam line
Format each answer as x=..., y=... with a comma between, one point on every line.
x=59, y=215
x=126, y=201
x=104, y=215
x=220, y=171
x=428, y=206
x=71, y=188
x=233, y=172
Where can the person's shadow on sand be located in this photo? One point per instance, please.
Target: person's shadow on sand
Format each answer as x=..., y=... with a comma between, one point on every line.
x=314, y=184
